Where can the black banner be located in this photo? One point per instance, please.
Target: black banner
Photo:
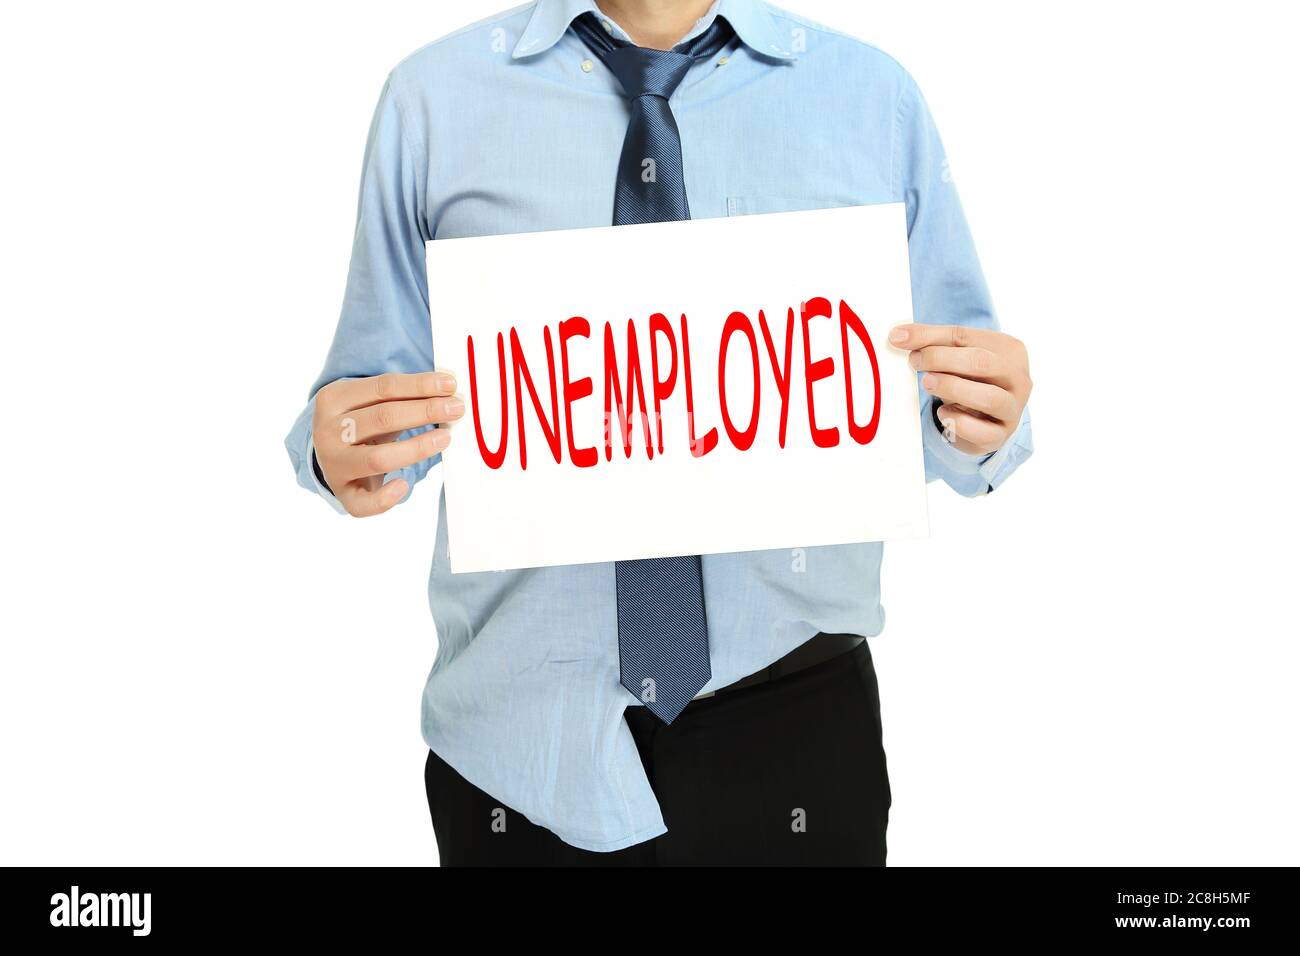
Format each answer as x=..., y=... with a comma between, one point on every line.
x=1219, y=907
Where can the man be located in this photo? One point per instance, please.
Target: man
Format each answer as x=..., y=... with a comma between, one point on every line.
x=764, y=743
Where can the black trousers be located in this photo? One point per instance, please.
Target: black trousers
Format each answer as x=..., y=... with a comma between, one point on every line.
x=787, y=772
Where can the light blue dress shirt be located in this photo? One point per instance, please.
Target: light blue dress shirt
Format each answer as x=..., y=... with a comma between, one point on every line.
x=512, y=125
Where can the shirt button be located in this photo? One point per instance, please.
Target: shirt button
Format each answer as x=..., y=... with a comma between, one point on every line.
x=723, y=60
x=609, y=27
x=587, y=66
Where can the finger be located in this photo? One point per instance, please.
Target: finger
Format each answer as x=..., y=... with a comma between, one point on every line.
x=969, y=432
x=390, y=418
x=974, y=363
x=362, y=461
x=982, y=397
x=346, y=395
x=919, y=335
x=362, y=502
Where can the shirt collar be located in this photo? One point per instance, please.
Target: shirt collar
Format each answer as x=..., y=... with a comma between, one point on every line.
x=751, y=20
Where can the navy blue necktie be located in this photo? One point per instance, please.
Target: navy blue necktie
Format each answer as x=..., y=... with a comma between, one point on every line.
x=663, y=638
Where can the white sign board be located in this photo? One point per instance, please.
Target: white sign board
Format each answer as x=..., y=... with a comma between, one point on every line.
x=676, y=388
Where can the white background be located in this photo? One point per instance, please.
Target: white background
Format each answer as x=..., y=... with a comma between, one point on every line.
x=202, y=664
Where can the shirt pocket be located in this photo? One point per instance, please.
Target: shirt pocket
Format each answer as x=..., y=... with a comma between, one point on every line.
x=755, y=205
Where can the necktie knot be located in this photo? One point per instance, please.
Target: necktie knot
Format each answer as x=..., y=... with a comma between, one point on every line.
x=644, y=72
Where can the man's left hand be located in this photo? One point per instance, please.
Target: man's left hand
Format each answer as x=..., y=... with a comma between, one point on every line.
x=980, y=376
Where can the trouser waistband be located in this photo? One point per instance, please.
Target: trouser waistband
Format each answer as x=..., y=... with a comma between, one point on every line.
x=814, y=651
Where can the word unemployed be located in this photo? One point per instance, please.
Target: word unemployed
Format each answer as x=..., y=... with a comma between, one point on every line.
x=623, y=387
x=101, y=909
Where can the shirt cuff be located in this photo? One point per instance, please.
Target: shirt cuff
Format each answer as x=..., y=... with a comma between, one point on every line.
x=974, y=474
x=318, y=484
x=1013, y=453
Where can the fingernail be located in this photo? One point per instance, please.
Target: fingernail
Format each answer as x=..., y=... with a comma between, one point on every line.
x=914, y=359
x=446, y=381
x=898, y=336
x=455, y=407
x=928, y=382
x=441, y=438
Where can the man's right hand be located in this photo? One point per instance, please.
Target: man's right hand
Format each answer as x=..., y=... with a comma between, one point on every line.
x=355, y=427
